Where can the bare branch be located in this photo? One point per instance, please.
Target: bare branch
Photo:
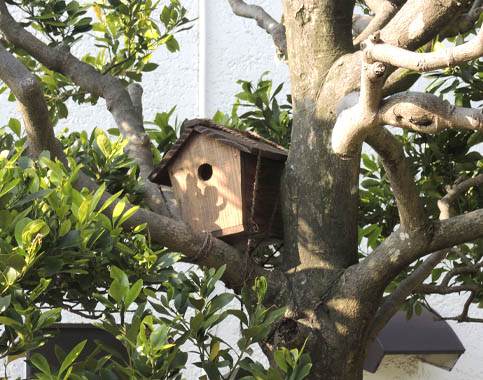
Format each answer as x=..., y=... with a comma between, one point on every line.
x=463, y=317
x=438, y=289
x=409, y=204
x=117, y=98
x=414, y=25
x=469, y=269
x=400, y=57
x=445, y=202
x=405, y=288
x=418, y=22
x=384, y=10
x=264, y=21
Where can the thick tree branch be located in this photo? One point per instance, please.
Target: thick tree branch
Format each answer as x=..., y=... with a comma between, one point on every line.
x=384, y=10
x=418, y=22
x=118, y=101
x=427, y=113
x=197, y=247
x=32, y=105
x=409, y=204
x=264, y=21
x=149, y=190
x=407, y=286
x=420, y=112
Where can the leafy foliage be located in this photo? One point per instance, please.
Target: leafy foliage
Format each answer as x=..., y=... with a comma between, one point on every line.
x=263, y=113
x=60, y=252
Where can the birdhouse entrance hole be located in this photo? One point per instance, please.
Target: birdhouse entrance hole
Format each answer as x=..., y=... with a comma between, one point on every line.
x=205, y=172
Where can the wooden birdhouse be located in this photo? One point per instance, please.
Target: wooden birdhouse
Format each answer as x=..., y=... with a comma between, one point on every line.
x=226, y=182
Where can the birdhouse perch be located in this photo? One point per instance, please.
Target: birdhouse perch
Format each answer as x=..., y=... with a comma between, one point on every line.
x=226, y=182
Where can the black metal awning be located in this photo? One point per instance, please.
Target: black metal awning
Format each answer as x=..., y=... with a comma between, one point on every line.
x=427, y=336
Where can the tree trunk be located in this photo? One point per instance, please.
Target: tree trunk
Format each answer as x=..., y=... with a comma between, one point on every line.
x=320, y=199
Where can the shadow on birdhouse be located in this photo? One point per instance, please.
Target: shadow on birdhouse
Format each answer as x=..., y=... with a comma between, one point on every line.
x=226, y=182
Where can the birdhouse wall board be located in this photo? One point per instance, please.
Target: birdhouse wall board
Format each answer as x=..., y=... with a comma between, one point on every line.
x=207, y=184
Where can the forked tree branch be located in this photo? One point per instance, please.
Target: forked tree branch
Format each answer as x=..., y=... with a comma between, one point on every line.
x=424, y=113
x=264, y=21
x=401, y=248
x=393, y=302
x=463, y=317
x=117, y=98
x=413, y=282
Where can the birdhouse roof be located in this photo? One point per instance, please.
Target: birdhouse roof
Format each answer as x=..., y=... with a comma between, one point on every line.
x=244, y=141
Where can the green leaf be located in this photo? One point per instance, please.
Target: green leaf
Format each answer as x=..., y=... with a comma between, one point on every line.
x=118, y=291
x=104, y=145
x=211, y=370
x=9, y=186
x=41, y=363
x=279, y=357
x=32, y=197
x=436, y=273
x=32, y=229
x=71, y=356
x=133, y=293
x=195, y=322
x=15, y=126
x=159, y=336
x=118, y=209
x=304, y=371
x=128, y=214
x=4, y=303
x=10, y=322
x=220, y=301
x=275, y=315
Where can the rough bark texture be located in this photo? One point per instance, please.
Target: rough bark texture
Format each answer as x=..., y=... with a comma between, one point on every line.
x=334, y=300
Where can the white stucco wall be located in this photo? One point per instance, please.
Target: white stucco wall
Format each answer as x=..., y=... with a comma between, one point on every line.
x=233, y=48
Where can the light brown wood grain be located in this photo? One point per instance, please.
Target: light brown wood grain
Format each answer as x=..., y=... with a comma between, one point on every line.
x=214, y=204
